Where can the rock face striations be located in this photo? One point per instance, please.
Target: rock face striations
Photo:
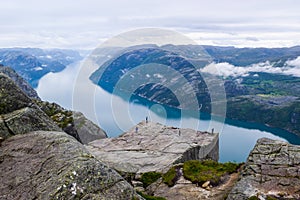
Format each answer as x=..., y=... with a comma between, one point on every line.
x=39, y=161
x=272, y=171
x=154, y=147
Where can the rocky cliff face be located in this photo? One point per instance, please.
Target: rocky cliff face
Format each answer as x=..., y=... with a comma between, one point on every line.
x=39, y=161
x=154, y=147
x=18, y=114
x=19, y=81
x=73, y=123
x=272, y=171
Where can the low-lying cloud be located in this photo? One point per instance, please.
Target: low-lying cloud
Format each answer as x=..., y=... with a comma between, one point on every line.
x=291, y=67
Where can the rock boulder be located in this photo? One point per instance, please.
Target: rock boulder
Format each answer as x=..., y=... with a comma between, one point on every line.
x=272, y=170
x=53, y=165
x=87, y=130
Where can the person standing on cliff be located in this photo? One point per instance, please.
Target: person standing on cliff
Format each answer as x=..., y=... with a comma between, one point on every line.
x=146, y=119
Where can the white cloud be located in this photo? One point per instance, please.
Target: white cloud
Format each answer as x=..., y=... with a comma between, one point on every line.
x=225, y=70
x=84, y=24
x=295, y=63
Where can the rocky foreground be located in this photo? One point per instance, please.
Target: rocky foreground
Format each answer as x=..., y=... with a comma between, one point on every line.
x=40, y=161
x=155, y=147
x=272, y=171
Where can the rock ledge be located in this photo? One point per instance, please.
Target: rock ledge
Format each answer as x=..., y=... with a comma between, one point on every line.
x=154, y=147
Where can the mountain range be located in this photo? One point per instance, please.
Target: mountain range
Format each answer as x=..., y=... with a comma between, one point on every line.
x=34, y=63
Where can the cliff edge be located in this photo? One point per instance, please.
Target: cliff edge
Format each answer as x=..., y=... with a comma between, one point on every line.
x=154, y=147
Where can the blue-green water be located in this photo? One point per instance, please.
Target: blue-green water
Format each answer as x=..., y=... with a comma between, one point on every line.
x=115, y=115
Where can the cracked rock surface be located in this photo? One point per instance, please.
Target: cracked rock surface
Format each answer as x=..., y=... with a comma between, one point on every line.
x=272, y=170
x=53, y=165
x=154, y=147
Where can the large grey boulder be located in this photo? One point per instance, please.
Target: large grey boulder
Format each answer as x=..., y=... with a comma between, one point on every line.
x=154, y=147
x=53, y=165
x=87, y=130
x=272, y=169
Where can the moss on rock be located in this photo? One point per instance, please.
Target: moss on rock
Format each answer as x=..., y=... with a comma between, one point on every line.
x=171, y=176
x=150, y=177
x=149, y=197
x=208, y=170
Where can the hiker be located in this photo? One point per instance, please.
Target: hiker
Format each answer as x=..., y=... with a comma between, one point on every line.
x=146, y=119
x=136, y=129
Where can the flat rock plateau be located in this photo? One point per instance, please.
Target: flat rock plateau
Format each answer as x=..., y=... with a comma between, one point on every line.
x=154, y=147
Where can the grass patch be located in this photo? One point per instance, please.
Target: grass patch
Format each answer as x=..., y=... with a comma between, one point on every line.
x=253, y=198
x=149, y=197
x=171, y=176
x=271, y=198
x=150, y=177
x=208, y=170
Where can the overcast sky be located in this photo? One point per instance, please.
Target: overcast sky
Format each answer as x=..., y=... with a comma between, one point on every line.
x=85, y=24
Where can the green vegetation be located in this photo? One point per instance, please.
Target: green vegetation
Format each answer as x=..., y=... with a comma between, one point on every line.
x=253, y=198
x=58, y=114
x=248, y=109
x=273, y=84
x=63, y=119
x=135, y=198
x=150, y=177
x=149, y=197
x=171, y=176
x=208, y=170
x=271, y=198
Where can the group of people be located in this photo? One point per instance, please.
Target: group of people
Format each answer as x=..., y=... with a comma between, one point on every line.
x=137, y=129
